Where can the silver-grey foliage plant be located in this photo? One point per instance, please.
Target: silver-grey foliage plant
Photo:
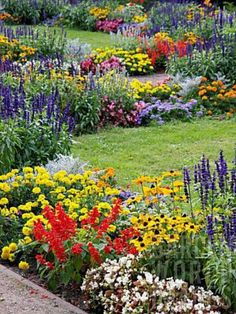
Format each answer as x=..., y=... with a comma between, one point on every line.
x=68, y=163
x=187, y=84
x=76, y=50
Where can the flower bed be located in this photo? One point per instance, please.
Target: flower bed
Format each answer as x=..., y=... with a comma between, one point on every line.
x=160, y=246
x=76, y=227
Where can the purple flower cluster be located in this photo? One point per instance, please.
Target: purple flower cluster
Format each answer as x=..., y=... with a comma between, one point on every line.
x=223, y=229
x=165, y=110
x=46, y=109
x=26, y=32
x=211, y=183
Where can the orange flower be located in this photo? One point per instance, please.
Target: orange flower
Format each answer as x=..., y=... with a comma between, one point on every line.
x=220, y=96
x=229, y=114
x=202, y=92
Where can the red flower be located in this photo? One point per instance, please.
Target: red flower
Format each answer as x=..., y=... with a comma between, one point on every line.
x=42, y=261
x=62, y=229
x=111, y=218
x=40, y=258
x=107, y=249
x=91, y=220
x=50, y=265
x=77, y=249
x=121, y=244
x=94, y=253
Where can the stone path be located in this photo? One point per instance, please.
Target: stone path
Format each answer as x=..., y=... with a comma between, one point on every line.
x=154, y=78
x=20, y=296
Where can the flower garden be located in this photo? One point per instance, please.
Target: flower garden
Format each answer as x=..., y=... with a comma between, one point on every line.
x=164, y=243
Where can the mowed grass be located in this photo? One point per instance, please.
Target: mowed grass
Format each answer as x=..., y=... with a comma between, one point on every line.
x=95, y=39
x=151, y=150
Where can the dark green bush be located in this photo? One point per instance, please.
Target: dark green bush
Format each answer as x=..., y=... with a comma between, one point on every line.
x=33, y=11
x=31, y=144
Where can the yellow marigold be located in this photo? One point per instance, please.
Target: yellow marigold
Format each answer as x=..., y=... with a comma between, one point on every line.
x=13, y=247
x=5, y=252
x=4, y=201
x=36, y=190
x=23, y=265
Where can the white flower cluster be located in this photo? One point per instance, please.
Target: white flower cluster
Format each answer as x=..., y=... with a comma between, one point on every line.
x=121, y=286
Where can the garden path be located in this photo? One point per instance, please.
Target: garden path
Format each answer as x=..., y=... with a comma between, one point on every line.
x=154, y=78
x=20, y=296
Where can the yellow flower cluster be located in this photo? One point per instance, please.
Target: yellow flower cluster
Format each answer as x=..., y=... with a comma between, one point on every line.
x=120, y=8
x=100, y=13
x=196, y=11
x=140, y=18
x=146, y=90
x=8, y=252
x=77, y=193
x=23, y=265
x=163, y=36
x=167, y=185
x=76, y=81
x=135, y=61
x=190, y=37
x=13, y=50
x=155, y=229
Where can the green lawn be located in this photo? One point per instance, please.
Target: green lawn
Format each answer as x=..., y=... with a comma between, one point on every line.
x=150, y=150
x=95, y=39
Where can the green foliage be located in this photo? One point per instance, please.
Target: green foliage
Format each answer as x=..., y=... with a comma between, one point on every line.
x=79, y=16
x=208, y=64
x=31, y=144
x=6, y=225
x=48, y=42
x=10, y=142
x=32, y=12
x=230, y=5
x=180, y=260
x=116, y=87
x=220, y=272
x=86, y=111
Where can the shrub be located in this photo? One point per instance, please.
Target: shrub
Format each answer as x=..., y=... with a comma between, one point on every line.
x=30, y=144
x=79, y=16
x=32, y=11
